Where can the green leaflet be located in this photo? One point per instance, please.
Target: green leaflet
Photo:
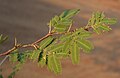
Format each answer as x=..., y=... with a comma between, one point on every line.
x=81, y=33
x=74, y=53
x=46, y=42
x=66, y=37
x=1, y=73
x=97, y=30
x=106, y=28
x=65, y=22
x=42, y=63
x=64, y=50
x=97, y=17
x=1, y=76
x=54, y=21
x=109, y=21
x=12, y=75
x=3, y=39
x=13, y=57
x=91, y=21
x=60, y=26
x=61, y=54
x=22, y=57
x=49, y=64
x=35, y=55
x=102, y=16
x=15, y=69
x=54, y=64
x=42, y=59
x=66, y=47
x=55, y=47
x=59, y=30
x=69, y=13
x=101, y=29
x=85, y=45
x=85, y=35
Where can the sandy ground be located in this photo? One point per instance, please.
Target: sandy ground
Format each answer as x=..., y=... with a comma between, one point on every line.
x=26, y=20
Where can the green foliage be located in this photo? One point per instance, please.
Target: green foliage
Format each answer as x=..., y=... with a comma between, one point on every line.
x=66, y=48
x=35, y=55
x=3, y=39
x=46, y=42
x=13, y=57
x=68, y=44
x=1, y=73
x=100, y=23
x=19, y=59
x=75, y=41
x=54, y=64
x=62, y=23
x=74, y=53
x=42, y=59
x=15, y=70
x=1, y=76
x=108, y=21
x=85, y=45
x=54, y=48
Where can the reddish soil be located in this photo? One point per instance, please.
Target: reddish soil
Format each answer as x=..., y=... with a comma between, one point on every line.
x=26, y=20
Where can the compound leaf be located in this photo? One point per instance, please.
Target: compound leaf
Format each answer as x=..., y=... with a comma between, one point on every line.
x=55, y=47
x=61, y=23
x=82, y=33
x=99, y=22
x=69, y=13
x=1, y=76
x=75, y=53
x=15, y=69
x=109, y=21
x=66, y=47
x=46, y=42
x=59, y=29
x=65, y=37
x=35, y=55
x=22, y=57
x=106, y=28
x=42, y=59
x=85, y=45
x=3, y=39
x=13, y=57
x=54, y=64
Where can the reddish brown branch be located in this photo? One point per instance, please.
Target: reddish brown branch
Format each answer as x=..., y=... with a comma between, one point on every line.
x=49, y=34
x=7, y=52
x=34, y=44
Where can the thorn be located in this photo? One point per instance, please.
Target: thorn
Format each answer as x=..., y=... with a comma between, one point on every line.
x=35, y=46
x=15, y=42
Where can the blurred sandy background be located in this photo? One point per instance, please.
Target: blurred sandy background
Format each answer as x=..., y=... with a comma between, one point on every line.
x=27, y=20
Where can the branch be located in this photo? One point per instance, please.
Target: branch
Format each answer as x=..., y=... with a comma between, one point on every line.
x=3, y=60
x=7, y=52
x=34, y=44
x=39, y=40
